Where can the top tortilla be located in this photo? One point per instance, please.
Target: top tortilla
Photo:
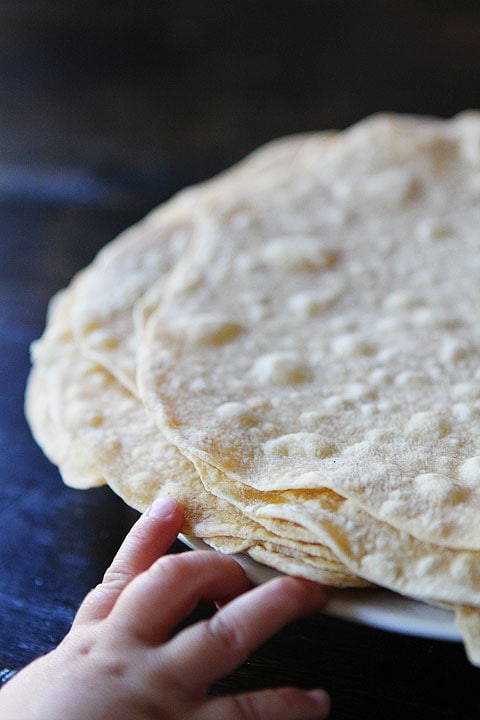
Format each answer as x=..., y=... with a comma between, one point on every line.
x=323, y=331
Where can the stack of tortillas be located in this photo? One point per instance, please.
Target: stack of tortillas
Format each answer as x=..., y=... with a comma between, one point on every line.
x=292, y=350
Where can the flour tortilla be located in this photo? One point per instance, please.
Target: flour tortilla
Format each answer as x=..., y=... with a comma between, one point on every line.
x=369, y=548
x=290, y=350
x=331, y=338
x=142, y=256
x=98, y=419
x=468, y=623
x=44, y=407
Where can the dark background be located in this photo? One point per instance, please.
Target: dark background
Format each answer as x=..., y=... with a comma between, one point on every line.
x=107, y=109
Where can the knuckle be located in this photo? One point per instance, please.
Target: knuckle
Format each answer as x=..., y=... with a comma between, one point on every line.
x=285, y=702
x=225, y=633
x=114, y=578
x=246, y=707
x=172, y=567
x=177, y=567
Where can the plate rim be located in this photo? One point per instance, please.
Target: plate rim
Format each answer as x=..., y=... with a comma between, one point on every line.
x=377, y=608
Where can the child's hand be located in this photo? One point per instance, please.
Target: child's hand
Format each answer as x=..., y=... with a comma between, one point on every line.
x=120, y=660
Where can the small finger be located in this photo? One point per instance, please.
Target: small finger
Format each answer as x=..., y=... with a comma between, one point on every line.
x=280, y=704
x=204, y=652
x=159, y=599
x=150, y=537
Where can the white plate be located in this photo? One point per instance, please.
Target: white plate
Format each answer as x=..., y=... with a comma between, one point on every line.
x=374, y=607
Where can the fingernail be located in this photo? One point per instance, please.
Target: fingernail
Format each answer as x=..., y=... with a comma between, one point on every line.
x=162, y=508
x=322, y=699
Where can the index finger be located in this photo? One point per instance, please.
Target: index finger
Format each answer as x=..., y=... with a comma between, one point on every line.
x=148, y=539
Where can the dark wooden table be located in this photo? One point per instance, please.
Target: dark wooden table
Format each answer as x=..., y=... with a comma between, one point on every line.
x=105, y=111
